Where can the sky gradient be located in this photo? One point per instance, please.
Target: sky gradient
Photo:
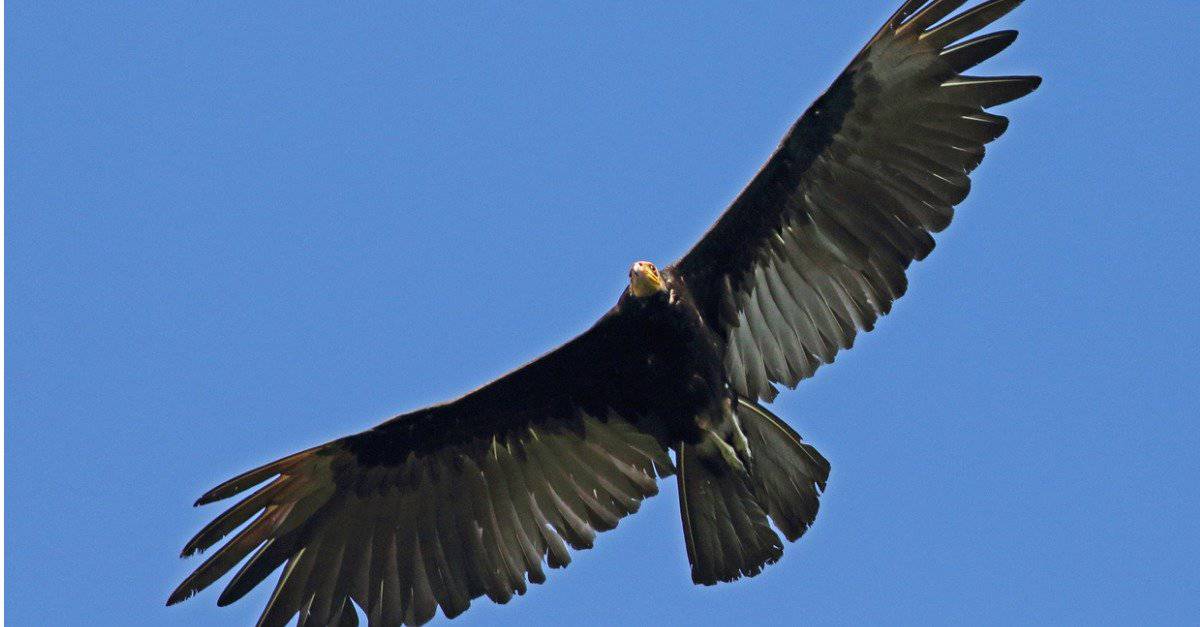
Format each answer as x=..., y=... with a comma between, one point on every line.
x=237, y=230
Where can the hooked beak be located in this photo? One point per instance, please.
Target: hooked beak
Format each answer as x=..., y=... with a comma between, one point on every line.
x=644, y=280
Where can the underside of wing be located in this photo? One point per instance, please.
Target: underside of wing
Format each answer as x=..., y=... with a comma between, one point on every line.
x=817, y=245
x=434, y=508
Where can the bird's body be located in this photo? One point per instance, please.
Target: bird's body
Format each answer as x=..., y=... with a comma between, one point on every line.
x=442, y=505
x=650, y=359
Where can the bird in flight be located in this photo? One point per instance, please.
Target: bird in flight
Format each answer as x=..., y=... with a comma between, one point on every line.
x=472, y=497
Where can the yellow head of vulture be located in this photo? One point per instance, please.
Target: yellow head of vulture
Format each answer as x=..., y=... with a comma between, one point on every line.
x=644, y=280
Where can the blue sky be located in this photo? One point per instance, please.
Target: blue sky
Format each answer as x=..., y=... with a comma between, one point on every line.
x=238, y=230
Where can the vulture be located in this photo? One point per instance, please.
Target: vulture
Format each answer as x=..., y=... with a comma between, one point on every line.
x=476, y=496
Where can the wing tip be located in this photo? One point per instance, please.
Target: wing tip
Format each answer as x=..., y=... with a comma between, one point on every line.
x=180, y=594
x=227, y=489
x=1025, y=85
x=255, y=476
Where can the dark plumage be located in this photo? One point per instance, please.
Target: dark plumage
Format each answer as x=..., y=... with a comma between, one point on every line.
x=440, y=506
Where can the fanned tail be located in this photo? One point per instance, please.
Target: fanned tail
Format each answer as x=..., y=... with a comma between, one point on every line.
x=789, y=475
x=725, y=497
x=726, y=530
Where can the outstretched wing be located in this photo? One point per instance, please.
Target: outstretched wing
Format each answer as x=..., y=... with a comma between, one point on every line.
x=817, y=244
x=442, y=505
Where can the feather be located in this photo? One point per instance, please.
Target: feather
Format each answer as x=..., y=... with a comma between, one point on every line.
x=966, y=55
x=930, y=15
x=968, y=22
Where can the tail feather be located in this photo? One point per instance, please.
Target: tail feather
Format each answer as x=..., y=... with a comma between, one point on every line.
x=789, y=475
x=725, y=504
x=726, y=530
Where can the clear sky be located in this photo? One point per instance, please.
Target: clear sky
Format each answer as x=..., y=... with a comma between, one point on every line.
x=236, y=230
